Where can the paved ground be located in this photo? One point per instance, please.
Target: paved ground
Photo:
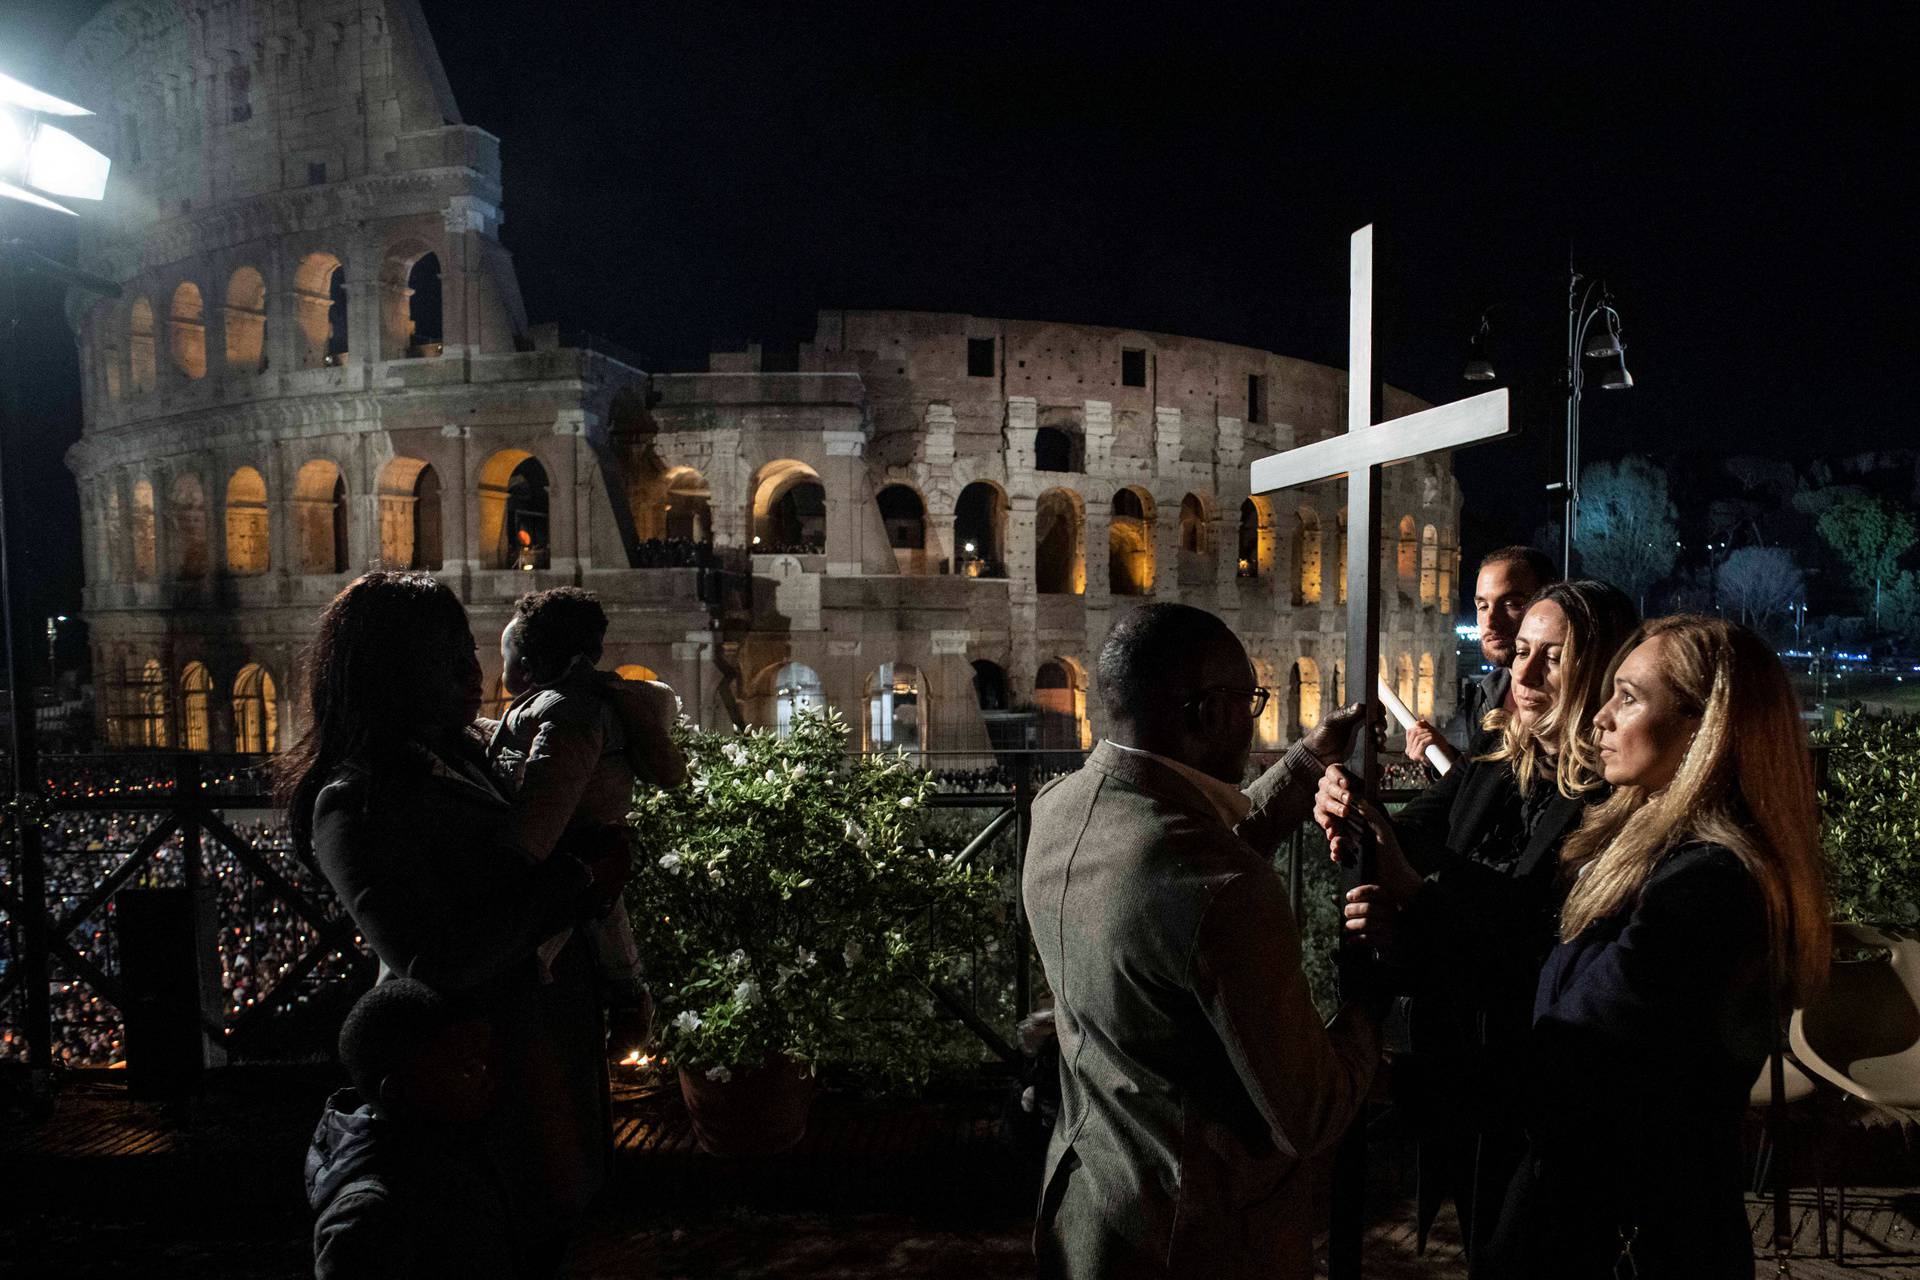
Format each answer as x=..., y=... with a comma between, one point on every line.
x=110, y=1188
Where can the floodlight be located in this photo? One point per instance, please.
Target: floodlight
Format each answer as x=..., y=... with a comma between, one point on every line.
x=39, y=159
x=62, y=165
x=15, y=94
x=9, y=191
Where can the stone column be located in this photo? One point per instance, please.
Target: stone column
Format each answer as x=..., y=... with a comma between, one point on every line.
x=845, y=479
x=1023, y=419
x=566, y=496
x=1099, y=436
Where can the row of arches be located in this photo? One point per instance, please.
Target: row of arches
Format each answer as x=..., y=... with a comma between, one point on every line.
x=152, y=709
x=410, y=320
x=512, y=508
x=1308, y=698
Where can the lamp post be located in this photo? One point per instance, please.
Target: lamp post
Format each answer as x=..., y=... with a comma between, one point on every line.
x=38, y=160
x=1583, y=308
x=53, y=638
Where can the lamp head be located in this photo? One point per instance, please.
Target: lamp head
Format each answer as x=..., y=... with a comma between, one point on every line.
x=1617, y=378
x=1479, y=367
x=1605, y=343
x=1478, y=371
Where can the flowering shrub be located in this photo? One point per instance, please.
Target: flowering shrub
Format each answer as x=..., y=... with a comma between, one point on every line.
x=785, y=903
x=1870, y=818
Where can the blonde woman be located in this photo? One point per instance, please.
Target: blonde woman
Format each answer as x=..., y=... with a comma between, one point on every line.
x=1471, y=889
x=1698, y=911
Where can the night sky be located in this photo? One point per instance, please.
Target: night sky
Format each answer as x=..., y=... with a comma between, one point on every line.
x=687, y=176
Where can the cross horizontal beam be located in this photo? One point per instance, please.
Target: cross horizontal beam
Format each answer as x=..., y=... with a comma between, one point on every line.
x=1446, y=426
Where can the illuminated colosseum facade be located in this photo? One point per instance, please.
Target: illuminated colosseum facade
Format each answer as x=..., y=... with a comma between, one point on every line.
x=321, y=363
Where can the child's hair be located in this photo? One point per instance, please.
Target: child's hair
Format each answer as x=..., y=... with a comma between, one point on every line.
x=388, y=1027
x=558, y=626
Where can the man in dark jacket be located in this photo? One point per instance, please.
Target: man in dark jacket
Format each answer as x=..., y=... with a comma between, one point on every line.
x=1197, y=1079
x=1508, y=580
x=399, y=1176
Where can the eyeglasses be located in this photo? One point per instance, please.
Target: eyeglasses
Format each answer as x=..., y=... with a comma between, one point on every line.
x=1256, y=697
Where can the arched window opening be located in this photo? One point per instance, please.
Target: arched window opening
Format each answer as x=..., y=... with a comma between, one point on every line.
x=1059, y=567
x=526, y=516
x=1270, y=728
x=689, y=507
x=140, y=341
x=1340, y=561
x=1060, y=698
x=796, y=688
x=145, y=544
x=409, y=515
x=905, y=518
x=991, y=689
x=895, y=719
x=320, y=310
x=246, y=321
x=256, y=711
x=187, y=331
x=196, y=702
x=1449, y=563
x=247, y=537
x=428, y=550
x=980, y=531
x=789, y=510
x=1423, y=689
x=1056, y=450
x=635, y=671
x=1404, y=684
x=1409, y=559
x=424, y=323
x=1304, y=694
x=187, y=527
x=1429, y=567
x=150, y=703
x=1196, y=543
x=1255, y=556
x=1130, y=544
x=320, y=518
x=1306, y=556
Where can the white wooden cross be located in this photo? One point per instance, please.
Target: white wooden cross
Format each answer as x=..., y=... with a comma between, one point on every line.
x=1359, y=455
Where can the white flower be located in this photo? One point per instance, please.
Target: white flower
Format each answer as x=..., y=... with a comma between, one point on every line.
x=670, y=861
x=906, y=802
x=735, y=753
x=747, y=994
x=852, y=953
x=803, y=958
x=699, y=782
x=688, y=1021
x=858, y=834
x=773, y=775
x=720, y=1074
x=799, y=771
x=736, y=961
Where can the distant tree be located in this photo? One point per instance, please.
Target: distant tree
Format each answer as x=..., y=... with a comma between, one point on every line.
x=1627, y=532
x=1760, y=582
x=1869, y=535
x=1900, y=609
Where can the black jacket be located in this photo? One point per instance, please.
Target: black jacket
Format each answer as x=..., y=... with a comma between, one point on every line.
x=390, y=1204
x=1649, y=1030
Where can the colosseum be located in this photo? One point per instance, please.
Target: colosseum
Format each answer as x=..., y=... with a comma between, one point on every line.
x=321, y=363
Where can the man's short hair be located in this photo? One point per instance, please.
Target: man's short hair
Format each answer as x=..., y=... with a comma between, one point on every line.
x=1146, y=656
x=1533, y=559
x=388, y=1027
x=558, y=626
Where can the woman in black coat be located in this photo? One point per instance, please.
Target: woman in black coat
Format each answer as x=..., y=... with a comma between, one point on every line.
x=391, y=797
x=1699, y=912
x=1471, y=878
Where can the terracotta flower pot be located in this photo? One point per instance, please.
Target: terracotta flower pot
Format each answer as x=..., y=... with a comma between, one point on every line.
x=759, y=1111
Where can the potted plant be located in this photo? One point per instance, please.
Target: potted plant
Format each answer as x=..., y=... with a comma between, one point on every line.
x=790, y=917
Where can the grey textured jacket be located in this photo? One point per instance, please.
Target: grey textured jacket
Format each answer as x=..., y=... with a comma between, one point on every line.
x=1196, y=1076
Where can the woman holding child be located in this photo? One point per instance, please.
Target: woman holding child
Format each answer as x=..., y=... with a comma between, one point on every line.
x=391, y=795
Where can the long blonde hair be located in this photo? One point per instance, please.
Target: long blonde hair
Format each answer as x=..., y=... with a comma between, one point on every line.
x=1746, y=782
x=1599, y=618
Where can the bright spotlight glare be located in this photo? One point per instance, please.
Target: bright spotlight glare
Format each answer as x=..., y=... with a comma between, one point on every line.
x=13, y=93
x=13, y=140
x=62, y=165
x=9, y=191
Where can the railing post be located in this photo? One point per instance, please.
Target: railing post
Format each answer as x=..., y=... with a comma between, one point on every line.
x=1296, y=870
x=190, y=803
x=1023, y=828
x=30, y=863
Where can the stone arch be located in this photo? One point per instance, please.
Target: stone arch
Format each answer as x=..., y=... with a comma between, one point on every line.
x=1130, y=567
x=514, y=501
x=991, y=688
x=1303, y=695
x=410, y=300
x=187, y=526
x=1306, y=556
x=1422, y=703
x=1059, y=562
x=1429, y=567
x=896, y=709
x=689, y=506
x=1269, y=729
x=320, y=518
x=1340, y=560
x=905, y=517
x=187, y=330
x=145, y=532
x=248, y=540
x=787, y=689
x=141, y=346
x=1060, y=698
x=256, y=711
x=1257, y=538
x=150, y=702
x=196, y=703
x=410, y=515
x=635, y=671
x=1403, y=682
x=1408, y=558
x=980, y=531
x=246, y=321
x=789, y=509
x=1196, y=541
x=320, y=310
x=1057, y=449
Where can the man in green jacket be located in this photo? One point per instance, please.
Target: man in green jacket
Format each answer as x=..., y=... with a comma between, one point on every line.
x=1197, y=1079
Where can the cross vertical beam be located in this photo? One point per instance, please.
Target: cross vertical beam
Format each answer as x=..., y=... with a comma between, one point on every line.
x=1363, y=502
